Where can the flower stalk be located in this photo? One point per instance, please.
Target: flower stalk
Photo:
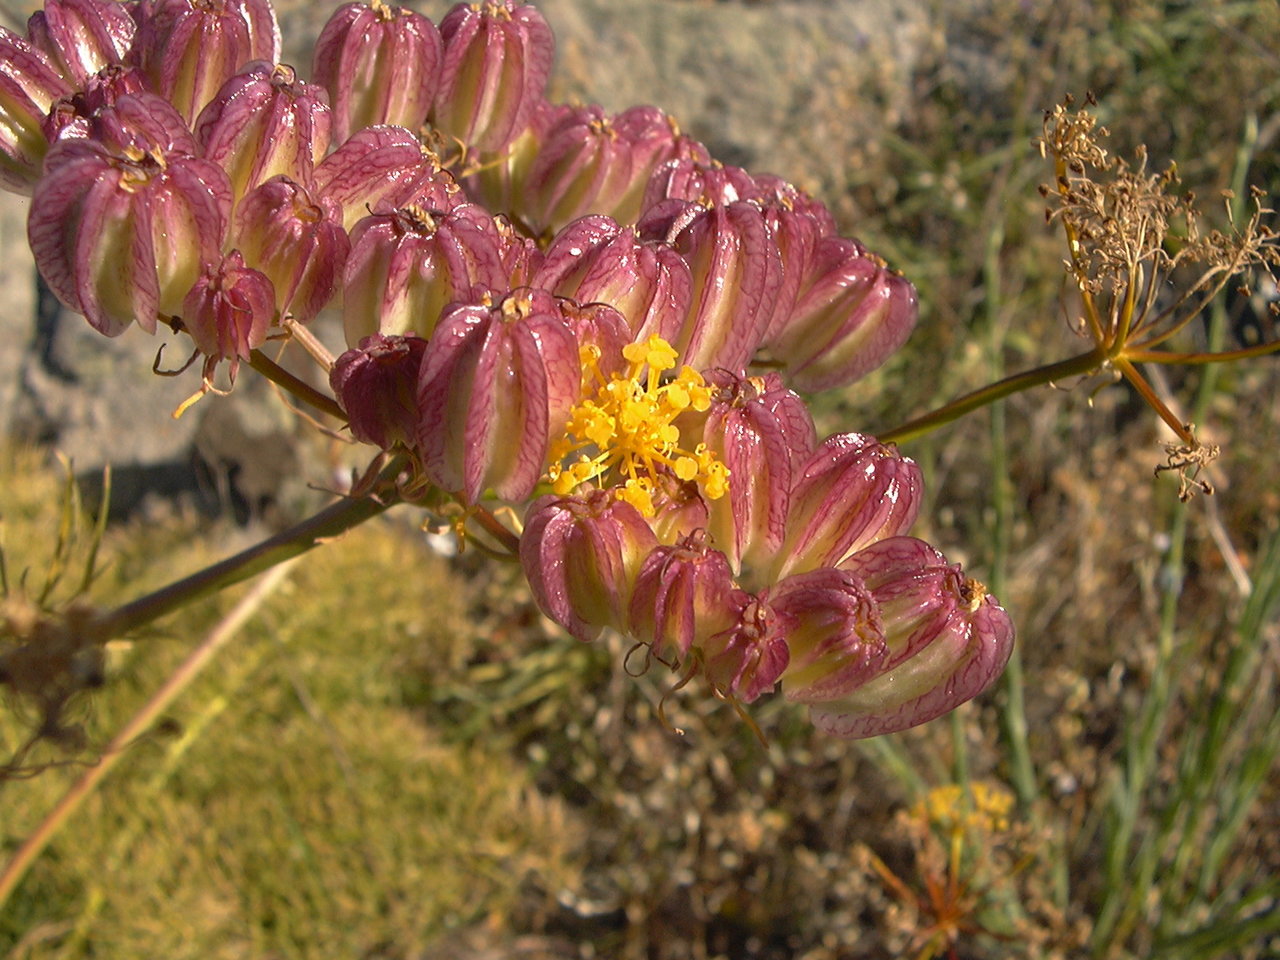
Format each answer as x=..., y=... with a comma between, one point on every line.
x=328, y=524
x=1080, y=365
x=278, y=375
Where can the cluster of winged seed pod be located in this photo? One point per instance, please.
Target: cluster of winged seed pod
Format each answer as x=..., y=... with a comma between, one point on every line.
x=545, y=305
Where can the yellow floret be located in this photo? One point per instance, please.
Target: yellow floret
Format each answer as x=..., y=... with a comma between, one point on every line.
x=628, y=420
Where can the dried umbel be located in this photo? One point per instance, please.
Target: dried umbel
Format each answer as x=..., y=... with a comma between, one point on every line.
x=1142, y=266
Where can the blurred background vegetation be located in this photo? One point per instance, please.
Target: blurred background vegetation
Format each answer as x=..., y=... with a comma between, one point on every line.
x=399, y=758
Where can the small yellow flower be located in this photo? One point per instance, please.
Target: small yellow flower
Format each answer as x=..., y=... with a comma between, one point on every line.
x=625, y=433
x=987, y=809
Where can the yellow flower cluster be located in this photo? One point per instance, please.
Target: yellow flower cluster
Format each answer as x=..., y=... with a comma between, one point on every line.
x=623, y=434
x=987, y=808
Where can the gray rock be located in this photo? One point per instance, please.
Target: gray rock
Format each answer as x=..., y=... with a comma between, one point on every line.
x=758, y=83
x=17, y=287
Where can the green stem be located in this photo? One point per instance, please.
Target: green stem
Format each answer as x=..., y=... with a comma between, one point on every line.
x=294, y=385
x=1073, y=366
x=329, y=523
x=888, y=754
x=1185, y=359
x=1013, y=715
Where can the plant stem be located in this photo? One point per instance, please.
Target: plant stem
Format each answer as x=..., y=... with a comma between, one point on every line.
x=1139, y=383
x=1187, y=359
x=294, y=385
x=510, y=542
x=329, y=523
x=1013, y=716
x=1073, y=366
